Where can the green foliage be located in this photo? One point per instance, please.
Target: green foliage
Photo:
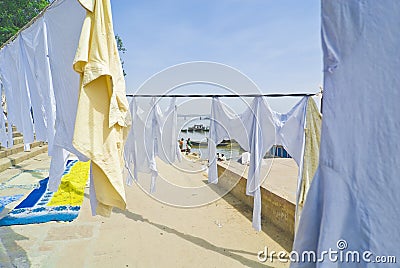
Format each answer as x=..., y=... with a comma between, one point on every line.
x=122, y=49
x=14, y=14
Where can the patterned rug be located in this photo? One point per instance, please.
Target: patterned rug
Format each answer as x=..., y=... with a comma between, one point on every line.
x=41, y=205
x=5, y=200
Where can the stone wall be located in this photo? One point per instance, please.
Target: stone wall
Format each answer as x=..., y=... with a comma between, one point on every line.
x=275, y=209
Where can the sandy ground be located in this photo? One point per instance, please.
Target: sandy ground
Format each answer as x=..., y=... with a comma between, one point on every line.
x=173, y=228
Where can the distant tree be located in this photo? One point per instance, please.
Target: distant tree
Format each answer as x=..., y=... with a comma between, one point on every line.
x=122, y=49
x=14, y=14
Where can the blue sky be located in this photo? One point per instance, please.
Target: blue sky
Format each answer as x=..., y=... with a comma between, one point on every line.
x=274, y=42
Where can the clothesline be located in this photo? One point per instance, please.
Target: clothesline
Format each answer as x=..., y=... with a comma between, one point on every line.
x=223, y=95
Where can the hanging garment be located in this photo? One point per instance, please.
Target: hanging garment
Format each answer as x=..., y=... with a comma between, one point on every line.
x=37, y=68
x=103, y=118
x=137, y=147
x=289, y=129
x=63, y=19
x=312, y=132
x=353, y=201
x=298, y=131
x=5, y=139
x=254, y=131
x=245, y=158
x=152, y=135
x=30, y=43
x=16, y=90
x=3, y=129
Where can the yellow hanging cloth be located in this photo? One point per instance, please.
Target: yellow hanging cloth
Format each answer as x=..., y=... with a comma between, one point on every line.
x=311, y=153
x=103, y=117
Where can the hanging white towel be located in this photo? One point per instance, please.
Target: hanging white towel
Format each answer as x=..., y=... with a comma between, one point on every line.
x=3, y=129
x=254, y=131
x=63, y=18
x=14, y=80
x=290, y=130
x=137, y=146
x=36, y=73
x=37, y=67
x=31, y=46
x=153, y=134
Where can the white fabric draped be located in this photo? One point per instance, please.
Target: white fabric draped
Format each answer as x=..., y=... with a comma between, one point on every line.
x=64, y=18
x=254, y=131
x=289, y=129
x=12, y=71
x=4, y=136
x=36, y=73
x=153, y=134
x=354, y=195
x=35, y=52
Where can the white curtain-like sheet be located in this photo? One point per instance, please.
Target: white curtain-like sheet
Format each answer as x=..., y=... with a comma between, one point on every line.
x=35, y=53
x=353, y=202
x=153, y=134
x=40, y=84
x=64, y=18
x=12, y=69
x=289, y=129
x=254, y=131
x=42, y=95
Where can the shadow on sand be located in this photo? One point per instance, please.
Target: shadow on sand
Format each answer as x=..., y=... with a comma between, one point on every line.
x=11, y=254
x=231, y=253
x=267, y=227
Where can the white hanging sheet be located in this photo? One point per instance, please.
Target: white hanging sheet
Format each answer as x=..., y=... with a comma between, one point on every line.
x=12, y=71
x=291, y=134
x=254, y=131
x=63, y=18
x=37, y=68
x=289, y=129
x=354, y=196
x=153, y=134
x=36, y=73
x=6, y=139
x=3, y=129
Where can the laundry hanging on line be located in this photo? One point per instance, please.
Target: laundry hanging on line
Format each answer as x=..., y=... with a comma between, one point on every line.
x=310, y=158
x=256, y=130
x=41, y=86
x=12, y=70
x=41, y=77
x=54, y=85
x=153, y=134
x=103, y=118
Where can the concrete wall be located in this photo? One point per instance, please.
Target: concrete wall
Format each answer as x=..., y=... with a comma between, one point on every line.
x=275, y=209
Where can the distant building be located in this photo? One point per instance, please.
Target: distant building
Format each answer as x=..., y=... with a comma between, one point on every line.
x=278, y=151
